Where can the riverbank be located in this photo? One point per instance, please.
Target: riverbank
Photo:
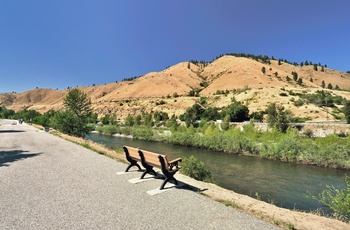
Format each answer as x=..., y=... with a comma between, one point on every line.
x=293, y=146
x=285, y=218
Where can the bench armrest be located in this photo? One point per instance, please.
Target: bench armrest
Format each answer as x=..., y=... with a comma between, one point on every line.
x=174, y=163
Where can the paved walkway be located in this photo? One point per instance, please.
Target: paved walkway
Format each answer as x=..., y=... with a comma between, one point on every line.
x=49, y=183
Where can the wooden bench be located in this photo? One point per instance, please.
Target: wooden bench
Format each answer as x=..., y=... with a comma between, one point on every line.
x=149, y=160
x=132, y=155
x=169, y=168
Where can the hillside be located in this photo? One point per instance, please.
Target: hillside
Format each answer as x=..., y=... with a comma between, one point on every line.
x=226, y=79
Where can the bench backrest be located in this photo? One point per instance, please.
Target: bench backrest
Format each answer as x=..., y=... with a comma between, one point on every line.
x=132, y=153
x=151, y=158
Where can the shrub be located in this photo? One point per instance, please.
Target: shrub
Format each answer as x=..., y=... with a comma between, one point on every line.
x=142, y=133
x=298, y=103
x=338, y=200
x=283, y=94
x=196, y=169
x=308, y=133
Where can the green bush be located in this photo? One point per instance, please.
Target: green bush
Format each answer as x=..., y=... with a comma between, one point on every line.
x=338, y=200
x=143, y=133
x=110, y=129
x=196, y=169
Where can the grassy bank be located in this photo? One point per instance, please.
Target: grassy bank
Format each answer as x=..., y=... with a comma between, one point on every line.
x=332, y=151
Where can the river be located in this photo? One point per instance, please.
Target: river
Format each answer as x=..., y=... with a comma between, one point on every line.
x=283, y=184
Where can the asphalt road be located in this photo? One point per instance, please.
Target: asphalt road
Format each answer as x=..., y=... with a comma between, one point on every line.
x=49, y=183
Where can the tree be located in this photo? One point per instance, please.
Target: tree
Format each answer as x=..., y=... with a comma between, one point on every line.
x=211, y=113
x=263, y=70
x=257, y=116
x=295, y=76
x=193, y=114
x=191, y=93
x=346, y=111
x=77, y=101
x=300, y=81
x=147, y=120
x=225, y=125
x=138, y=119
x=277, y=117
x=238, y=112
x=129, y=120
x=323, y=84
x=74, y=119
x=330, y=86
x=315, y=67
x=105, y=119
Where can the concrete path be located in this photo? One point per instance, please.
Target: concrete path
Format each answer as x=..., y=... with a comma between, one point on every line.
x=49, y=183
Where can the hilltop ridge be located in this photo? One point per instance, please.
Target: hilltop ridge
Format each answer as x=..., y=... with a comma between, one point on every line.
x=178, y=87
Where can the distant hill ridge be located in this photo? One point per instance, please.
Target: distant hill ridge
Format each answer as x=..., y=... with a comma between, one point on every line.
x=252, y=80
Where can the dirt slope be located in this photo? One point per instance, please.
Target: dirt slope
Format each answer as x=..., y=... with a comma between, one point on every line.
x=168, y=90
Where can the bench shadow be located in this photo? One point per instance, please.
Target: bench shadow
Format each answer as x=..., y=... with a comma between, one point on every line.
x=7, y=157
x=181, y=184
x=11, y=131
x=192, y=188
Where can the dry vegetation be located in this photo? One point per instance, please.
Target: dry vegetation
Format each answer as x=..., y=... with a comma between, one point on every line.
x=240, y=77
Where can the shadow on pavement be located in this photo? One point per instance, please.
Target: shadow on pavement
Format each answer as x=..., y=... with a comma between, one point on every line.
x=11, y=131
x=187, y=186
x=7, y=157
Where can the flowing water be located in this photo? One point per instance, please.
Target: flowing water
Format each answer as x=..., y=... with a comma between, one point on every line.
x=283, y=184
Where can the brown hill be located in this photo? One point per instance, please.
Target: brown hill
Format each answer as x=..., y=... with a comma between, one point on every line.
x=238, y=78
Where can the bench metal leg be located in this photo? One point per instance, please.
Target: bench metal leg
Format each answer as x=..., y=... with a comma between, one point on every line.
x=133, y=164
x=150, y=171
x=168, y=180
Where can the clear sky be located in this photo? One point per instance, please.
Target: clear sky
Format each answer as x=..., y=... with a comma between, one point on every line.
x=67, y=43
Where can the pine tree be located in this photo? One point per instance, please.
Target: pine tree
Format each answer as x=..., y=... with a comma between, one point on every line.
x=323, y=84
x=300, y=81
x=295, y=76
x=263, y=70
x=73, y=120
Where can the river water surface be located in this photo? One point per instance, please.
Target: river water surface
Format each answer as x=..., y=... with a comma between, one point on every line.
x=283, y=184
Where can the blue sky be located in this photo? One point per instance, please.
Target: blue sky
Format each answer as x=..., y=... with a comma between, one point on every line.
x=68, y=43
